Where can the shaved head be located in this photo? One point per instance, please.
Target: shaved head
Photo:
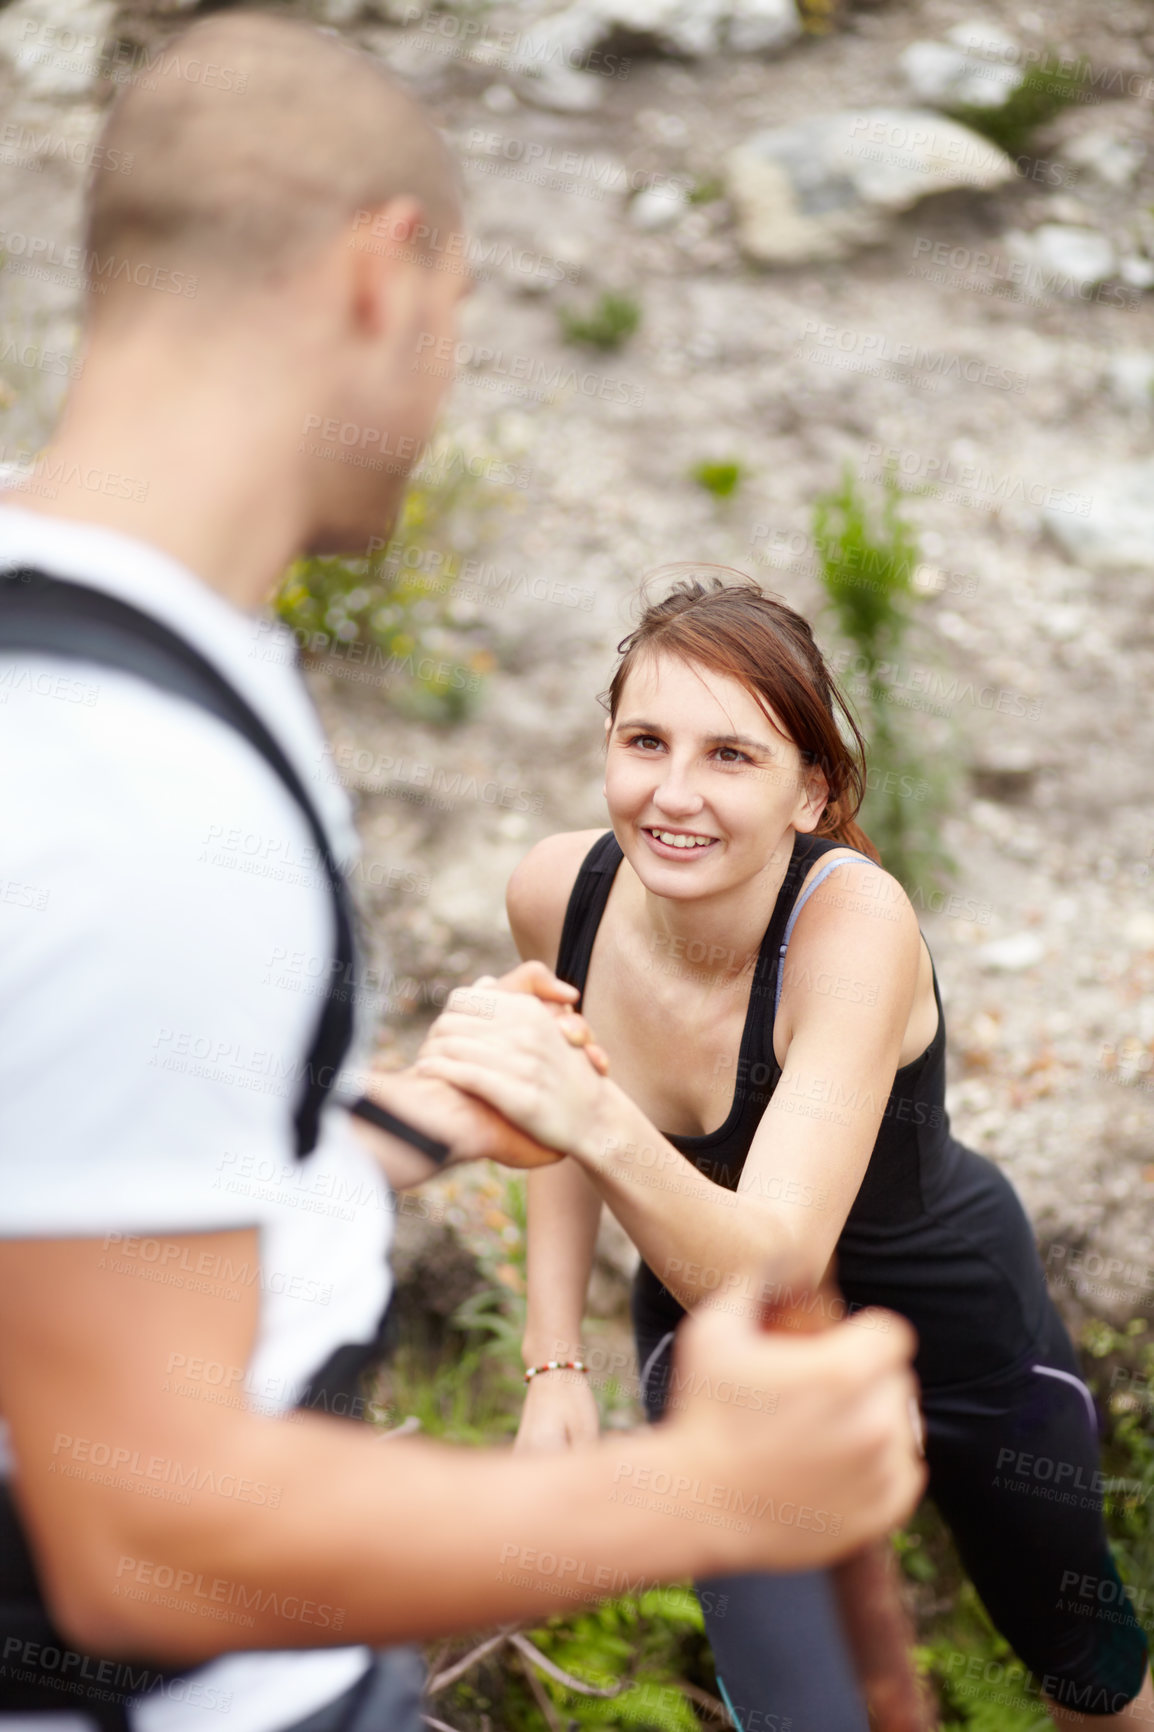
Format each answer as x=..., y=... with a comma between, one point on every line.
x=253, y=139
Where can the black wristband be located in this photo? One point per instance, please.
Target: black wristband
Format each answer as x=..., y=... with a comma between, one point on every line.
x=384, y=1120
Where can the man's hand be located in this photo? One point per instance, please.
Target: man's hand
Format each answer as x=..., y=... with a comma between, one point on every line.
x=510, y=1050
x=473, y=1130
x=472, y=1125
x=807, y=1440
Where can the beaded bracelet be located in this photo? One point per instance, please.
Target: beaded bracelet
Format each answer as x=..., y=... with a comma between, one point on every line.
x=555, y=1365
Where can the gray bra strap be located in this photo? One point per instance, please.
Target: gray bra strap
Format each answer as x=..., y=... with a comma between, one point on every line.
x=830, y=866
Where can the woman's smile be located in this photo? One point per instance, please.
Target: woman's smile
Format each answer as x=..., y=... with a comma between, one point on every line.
x=681, y=845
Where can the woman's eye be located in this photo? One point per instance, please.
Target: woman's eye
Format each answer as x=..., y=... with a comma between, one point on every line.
x=731, y=755
x=645, y=740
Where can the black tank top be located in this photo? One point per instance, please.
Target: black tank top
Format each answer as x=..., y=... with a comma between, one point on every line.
x=935, y=1232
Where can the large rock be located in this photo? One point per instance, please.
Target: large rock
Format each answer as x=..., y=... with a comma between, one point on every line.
x=975, y=67
x=823, y=187
x=1116, y=532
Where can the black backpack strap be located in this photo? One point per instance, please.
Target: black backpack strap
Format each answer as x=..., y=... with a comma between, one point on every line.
x=51, y=615
x=46, y=614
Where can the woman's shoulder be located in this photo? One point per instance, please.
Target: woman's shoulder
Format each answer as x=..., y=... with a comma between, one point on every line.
x=539, y=889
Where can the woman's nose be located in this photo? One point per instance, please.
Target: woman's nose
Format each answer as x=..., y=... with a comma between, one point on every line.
x=675, y=792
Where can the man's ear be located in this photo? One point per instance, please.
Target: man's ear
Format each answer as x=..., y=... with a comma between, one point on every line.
x=813, y=798
x=385, y=265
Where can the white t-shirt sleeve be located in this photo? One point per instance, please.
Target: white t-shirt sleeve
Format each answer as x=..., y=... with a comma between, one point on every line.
x=162, y=981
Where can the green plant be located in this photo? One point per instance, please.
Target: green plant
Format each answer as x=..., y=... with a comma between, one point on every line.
x=639, y=1647
x=389, y=618
x=720, y=479
x=1128, y=1452
x=1047, y=87
x=866, y=565
x=606, y=325
x=706, y=191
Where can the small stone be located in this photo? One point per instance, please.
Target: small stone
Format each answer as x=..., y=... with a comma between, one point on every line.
x=562, y=90
x=1062, y=259
x=1130, y=376
x=946, y=75
x=1107, y=156
x=499, y=99
x=761, y=26
x=1009, y=955
x=1137, y=271
x=658, y=207
x=1139, y=930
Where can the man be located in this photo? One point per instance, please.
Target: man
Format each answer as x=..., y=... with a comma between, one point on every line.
x=171, y=1278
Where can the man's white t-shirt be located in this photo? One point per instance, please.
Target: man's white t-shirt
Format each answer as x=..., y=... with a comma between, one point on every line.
x=165, y=925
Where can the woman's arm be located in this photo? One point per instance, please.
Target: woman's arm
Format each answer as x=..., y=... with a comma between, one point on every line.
x=564, y=1207
x=815, y=1140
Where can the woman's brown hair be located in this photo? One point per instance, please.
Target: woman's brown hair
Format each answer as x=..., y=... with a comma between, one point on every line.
x=737, y=629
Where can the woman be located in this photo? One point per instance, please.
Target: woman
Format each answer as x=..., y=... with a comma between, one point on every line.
x=764, y=994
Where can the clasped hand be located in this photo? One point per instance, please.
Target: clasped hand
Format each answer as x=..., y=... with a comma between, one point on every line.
x=519, y=1045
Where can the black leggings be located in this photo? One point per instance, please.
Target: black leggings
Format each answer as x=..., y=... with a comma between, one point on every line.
x=1014, y=1470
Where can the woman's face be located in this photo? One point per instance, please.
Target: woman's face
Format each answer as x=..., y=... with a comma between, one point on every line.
x=701, y=785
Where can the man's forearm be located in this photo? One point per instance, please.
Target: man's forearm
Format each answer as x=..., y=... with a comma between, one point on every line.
x=382, y=1541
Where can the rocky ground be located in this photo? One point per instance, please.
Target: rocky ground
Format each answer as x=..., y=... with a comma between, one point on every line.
x=1020, y=406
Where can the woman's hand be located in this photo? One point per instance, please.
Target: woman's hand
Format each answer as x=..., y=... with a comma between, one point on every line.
x=511, y=1050
x=534, y=978
x=560, y=1410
